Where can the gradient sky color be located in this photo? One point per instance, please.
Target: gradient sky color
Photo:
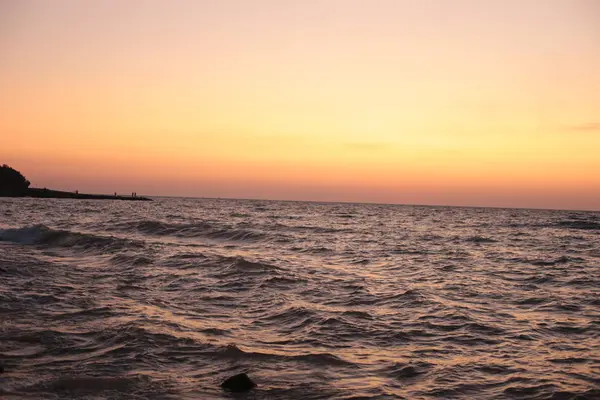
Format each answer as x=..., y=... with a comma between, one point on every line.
x=456, y=102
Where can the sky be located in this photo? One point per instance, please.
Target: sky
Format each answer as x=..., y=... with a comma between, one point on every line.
x=448, y=102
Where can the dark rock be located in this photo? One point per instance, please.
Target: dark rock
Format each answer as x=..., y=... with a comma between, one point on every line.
x=238, y=383
x=408, y=372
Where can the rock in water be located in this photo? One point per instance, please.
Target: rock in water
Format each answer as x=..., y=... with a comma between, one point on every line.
x=238, y=383
x=408, y=372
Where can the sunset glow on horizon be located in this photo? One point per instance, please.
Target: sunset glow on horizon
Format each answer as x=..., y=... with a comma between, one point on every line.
x=481, y=103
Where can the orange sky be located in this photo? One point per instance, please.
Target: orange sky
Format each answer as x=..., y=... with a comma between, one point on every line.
x=465, y=102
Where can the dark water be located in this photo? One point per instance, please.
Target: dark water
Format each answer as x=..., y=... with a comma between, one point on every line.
x=164, y=300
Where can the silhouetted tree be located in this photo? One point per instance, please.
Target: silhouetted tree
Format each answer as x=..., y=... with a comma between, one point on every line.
x=12, y=182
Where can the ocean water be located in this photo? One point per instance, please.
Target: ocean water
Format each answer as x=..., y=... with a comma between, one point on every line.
x=166, y=299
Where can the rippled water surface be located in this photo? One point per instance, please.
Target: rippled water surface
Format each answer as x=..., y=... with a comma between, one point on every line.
x=165, y=299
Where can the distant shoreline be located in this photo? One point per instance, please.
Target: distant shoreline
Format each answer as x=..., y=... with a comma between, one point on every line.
x=41, y=193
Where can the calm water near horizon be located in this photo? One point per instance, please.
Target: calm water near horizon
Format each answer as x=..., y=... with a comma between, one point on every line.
x=165, y=299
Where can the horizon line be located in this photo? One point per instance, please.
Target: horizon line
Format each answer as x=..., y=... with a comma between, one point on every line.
x=373, y=203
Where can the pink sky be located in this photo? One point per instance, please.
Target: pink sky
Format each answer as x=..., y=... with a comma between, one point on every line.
x=466, y=102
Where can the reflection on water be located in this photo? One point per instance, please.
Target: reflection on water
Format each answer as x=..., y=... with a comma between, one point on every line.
x=166, y=299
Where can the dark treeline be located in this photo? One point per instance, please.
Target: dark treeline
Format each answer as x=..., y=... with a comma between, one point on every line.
x=12, y=182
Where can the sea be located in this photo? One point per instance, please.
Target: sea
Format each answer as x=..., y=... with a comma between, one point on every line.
x=109, y=299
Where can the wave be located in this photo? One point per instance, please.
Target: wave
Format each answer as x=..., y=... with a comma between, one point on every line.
x=281, y=282
x=314, y=250
x=43, y=235
x=293, y=318
x=231, y=266
x=543, y=262
x=198, y=229
x=320, y=359
x=403, y=371
x=558, y=261
x=127, y=259
x=400, y=250
x=480, y=239
x=310, y=229
x=93, y=384
x=345, y=215
x=579, y=224
x=408, y=298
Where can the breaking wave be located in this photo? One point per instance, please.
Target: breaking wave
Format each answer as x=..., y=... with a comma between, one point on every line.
x=43, y=235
